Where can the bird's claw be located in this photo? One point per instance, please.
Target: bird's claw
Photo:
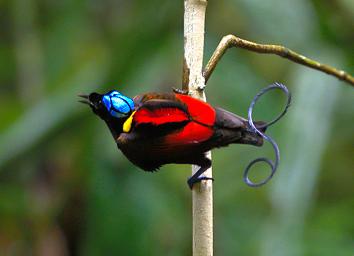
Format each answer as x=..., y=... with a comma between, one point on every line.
x=191, y=181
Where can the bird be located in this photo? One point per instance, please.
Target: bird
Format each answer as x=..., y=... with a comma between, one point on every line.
x=155, y=129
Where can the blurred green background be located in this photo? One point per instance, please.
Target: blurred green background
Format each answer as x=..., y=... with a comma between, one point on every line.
x=65, y=189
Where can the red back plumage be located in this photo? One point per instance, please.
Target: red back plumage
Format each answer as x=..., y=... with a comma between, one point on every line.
x=160, y=116
x=192, y=133
x=202, y=117
x=198, y=110
x=188, y=120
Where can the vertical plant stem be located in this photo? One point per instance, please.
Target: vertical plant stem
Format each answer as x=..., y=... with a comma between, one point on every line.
x=193, y=80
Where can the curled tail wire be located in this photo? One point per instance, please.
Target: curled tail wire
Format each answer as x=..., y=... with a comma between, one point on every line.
x=273, y=165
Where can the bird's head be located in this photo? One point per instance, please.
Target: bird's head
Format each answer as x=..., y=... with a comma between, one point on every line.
x=110, y=106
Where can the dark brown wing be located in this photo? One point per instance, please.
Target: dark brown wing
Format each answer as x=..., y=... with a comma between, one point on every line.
x=228, y=120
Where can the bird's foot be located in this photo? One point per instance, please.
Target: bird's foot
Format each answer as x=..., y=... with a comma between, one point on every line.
x=180, y=91
x=191, y=181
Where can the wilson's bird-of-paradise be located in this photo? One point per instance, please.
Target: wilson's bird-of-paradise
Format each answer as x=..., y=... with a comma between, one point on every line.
x=154, y=129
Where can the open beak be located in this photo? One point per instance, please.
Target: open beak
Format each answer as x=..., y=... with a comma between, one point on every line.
x=85, y=99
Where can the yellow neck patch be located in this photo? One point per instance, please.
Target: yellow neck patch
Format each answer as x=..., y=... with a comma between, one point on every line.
x=128, y=123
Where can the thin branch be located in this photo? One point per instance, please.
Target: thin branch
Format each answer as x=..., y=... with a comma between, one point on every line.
x=193, y=80
x=233, y=41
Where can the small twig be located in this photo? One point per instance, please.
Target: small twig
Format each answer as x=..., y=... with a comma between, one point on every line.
x=233, y=41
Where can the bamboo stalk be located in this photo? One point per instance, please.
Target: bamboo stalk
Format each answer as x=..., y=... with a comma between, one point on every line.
x=193, y=80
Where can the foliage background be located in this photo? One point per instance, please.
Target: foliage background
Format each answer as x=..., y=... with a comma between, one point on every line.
x=66, y=190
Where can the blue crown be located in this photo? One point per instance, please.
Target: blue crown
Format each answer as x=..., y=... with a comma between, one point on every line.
x=117, y=104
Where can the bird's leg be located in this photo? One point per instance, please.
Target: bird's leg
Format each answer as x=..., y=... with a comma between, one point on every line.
x=198, y=176
x=180, y=91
